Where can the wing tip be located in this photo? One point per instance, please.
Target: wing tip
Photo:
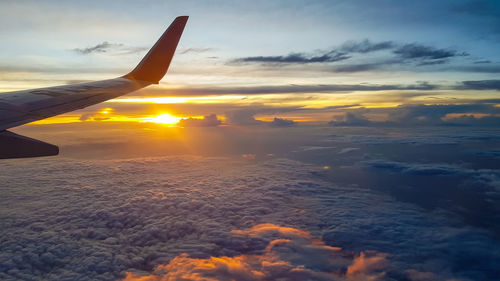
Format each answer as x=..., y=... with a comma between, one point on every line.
x=155, y=64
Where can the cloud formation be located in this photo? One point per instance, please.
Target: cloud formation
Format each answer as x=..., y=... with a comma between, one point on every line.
x=400, y=56
x=206, y=121
x=281, y=122
x=290, y=254
x=493, y=84
x=366, y=46
x=296, y=58
x=106, y=47
x=99, y=48
x=135, y=215
x=417, y=51
x=423, y=115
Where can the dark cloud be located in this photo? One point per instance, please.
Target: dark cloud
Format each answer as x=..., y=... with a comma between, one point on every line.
x=243, y=116
x=366, y=46
x=292, y=89
x=480, y=85
x=296, y=58
x=420, y=54
x=106, y=47
x=206, y=121
x=333, y=55
x=358, y=67
x=417, y=51
x=281, y=122
x=424, y=115
x=195, y=50
x=99, y=48
x=350, y=119
x=433, y=62
x=476, y=68
x=482, y=62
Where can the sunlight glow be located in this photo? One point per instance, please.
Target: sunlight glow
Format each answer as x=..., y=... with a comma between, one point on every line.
x=165, y=118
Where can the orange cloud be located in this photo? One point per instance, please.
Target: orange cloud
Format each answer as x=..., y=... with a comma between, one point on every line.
x=291, y=254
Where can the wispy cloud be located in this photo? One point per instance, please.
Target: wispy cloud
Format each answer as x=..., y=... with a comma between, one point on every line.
x=99, y=48
x=331, y=56
x=194, y=50
x=106, y=47
x=366, y=46
x=418, y=51
x=292, y=89
x=480, y=85
x=350, y=56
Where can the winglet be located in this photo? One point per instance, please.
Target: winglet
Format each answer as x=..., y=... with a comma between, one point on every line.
x=155, y=64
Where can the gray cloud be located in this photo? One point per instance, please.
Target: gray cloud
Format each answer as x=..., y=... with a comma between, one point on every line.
x=333, y=55
x=195, y=209
x=350, y=119
x=281, y=122
x=351, y=68
x=366, y=46
x=475, y=68
x=207, y=121
x=425, y=115
x=413, y=53
x=106, y=47
x=195, y=50
x=99, y=48
x=480, y=85
x=294, y=88
x=295, y=58
x=417, y=51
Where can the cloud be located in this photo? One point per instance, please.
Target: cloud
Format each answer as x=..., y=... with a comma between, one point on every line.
x=366, y=46
x=290, y=254
x=475, y=68
x=243, y=116
x=400, y=57
x=206, y=121
x=292, y=89
x=480, y=85
x=423, y=115
x=296, y=58
x=106, y=47
x=417, y=51
x=351, y=68
x=281, y=122
x=194, y=50
x=135, y=215
x=333, y=55
x=99, y=48
x=350, y=119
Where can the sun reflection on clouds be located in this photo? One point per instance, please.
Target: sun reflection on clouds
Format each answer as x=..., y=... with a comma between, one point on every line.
x=290, y=254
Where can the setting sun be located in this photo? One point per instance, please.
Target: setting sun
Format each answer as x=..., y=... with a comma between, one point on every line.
x=163, y=119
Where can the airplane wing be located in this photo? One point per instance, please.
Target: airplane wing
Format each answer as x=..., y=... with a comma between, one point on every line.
x=21, y=107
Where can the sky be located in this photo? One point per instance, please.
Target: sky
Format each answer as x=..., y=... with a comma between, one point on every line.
x=291, y=140
x=305, y=61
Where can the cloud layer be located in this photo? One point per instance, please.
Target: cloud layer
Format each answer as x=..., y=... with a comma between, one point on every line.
x=246, y=217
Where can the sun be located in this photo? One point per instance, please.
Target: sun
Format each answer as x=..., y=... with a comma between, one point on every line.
x=165, y=118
